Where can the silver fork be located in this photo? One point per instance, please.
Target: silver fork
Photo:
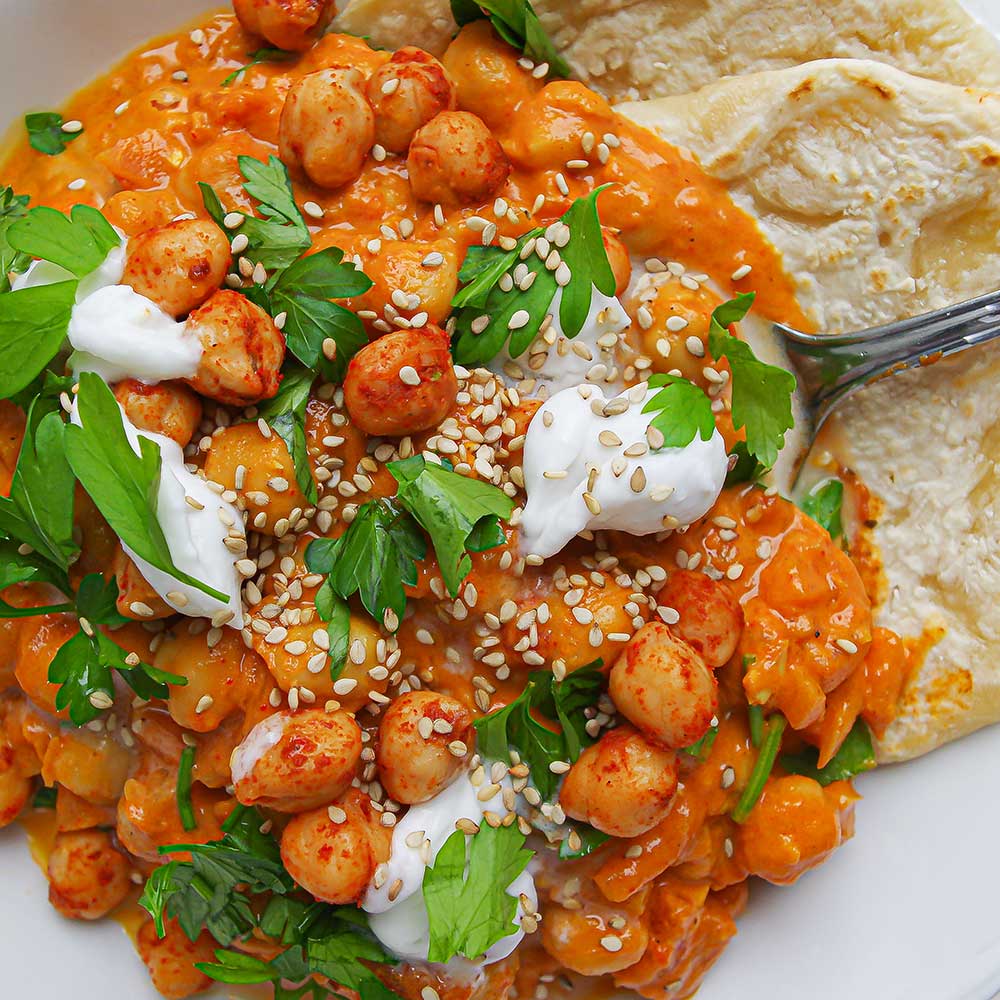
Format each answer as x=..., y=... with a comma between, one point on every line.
x=831, y=368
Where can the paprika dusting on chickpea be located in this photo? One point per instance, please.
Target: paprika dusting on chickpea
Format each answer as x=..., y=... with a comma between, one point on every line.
x=407, y=744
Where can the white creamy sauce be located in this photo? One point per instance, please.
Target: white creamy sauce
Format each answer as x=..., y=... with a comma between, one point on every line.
x=196, y=538
x=582, y=359
x=116, y=332
x=570, y=447
x=401, y=924
x=266, y=734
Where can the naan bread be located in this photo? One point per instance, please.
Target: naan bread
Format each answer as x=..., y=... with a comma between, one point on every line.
x=629, y=49
x=882, y=191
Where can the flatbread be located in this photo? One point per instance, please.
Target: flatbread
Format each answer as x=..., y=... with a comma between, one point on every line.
x=629, y=49
x=882, y=192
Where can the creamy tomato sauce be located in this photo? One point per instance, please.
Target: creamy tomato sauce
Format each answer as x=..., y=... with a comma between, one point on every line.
x=648, y=912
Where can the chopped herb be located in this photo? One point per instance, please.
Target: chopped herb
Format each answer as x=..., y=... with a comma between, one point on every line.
x=45, y=798
x=45, y=132
x=516, y=22
x=746, y=469
x=33, y=325
x=755, y=719
x=824, y=504
x=375, y=558
x=774, y=728
x=461, y=514
x=590, y=841
x=184, y=805
x=12, y=207
x=121, y=483
x=260, y=56
x=703, y=747
x=762, y=393
x=18, y=567
x=285, y=413
x=682, y=410
x=78, y=242
x=855, y=756
x=334, y=610
x=465, y=891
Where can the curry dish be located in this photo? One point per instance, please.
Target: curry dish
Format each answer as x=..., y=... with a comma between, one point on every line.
x=348, y=632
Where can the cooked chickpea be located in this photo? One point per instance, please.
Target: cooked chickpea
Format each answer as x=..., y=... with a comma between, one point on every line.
x=135, y=589
x=413, y=758
x=574, y=938
x=795, y=825
x=327, y=126
x=332, y=852
x=220, y=678
x=662, y=686
x=15, y=787
x=619, y=259
x=243, y=350
x=179, y=265
x=170, y=408
x=88, y=878
x=287, y=24
x=39, y=641
x=294, y=762
x=171, y=959
x=402, y=383
x=91, y=765
x=260, y=470
x=623, y=785
x=711, y=619
x=10, y=634
x=455, y=160
x=406, y=93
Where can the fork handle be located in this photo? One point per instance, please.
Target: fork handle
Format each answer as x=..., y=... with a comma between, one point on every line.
x=832, y=367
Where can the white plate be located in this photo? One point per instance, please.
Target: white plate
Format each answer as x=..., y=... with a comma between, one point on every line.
x=908, y=910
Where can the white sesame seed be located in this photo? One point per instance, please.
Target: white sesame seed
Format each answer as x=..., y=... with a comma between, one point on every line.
x=78, y=184
x=72, y=126
x=741, y=272
x=847, y=646
x=233, y=220
x=409, y=375
x=344, y=686
x=204, y=704
x=313, y=210
x=695, y=347
x=390, y=86
x=122, y=108
x=520, y=319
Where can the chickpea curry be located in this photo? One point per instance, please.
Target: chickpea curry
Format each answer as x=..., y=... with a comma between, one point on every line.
x=394, y=604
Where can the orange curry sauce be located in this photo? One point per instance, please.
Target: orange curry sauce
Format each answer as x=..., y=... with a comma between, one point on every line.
x=158, y=125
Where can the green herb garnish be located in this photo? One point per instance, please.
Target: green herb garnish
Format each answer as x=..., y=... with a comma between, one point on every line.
x=682, y=410
x=855, y=756
x=78, y=242
x=33, y=325
x=45, y=132
x=12, y=207
x=260, y=56
x=824, y=504
x=334, y=610
x=774, y=728
x=285, y=413
x=185, y=807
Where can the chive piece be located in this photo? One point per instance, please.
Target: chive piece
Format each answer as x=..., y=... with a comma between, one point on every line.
x=184, y=805
x=773, y=731
x=45, y=798
x=703, y=747
x=756, y=716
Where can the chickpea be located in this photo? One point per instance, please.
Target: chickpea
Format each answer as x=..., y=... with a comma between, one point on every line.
x=220, y=678
x=711, y=619
x=171, y=960
x=88, y=878
x=74, y=813
x=15, y=787
x=623, y=785
x=327, y=126
x=619, y=259
x=179, y=265
x=10, y=634
x=455, y=160
x=134, y=588
x=413, y=758
x=287, y=24
x=795, y=825
x=294, y=762
x=39, y=641
x=91, y=765
x=243, y=350
x=662, y=686
x=378, y=392
x=422, y=90
x=170, y=408
x=335, y=861
x=242, y=459
x=573, y=938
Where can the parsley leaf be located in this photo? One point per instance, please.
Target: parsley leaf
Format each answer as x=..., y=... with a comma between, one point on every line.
x=45, y=132
x=303, y=292
x=824, y=504
x=587, y=260
x=212, y=891
x=375, y=558
x=747, y=469
x=682, y=411
x=516, y=22
x=285, y=413
x=78, y=242
x=33, y=325
x=762, y=393
x=458, y=512
x=260, y=56
x=12, y=207
x=856, y=755
x=121, y=483
x=590, y=841
x=466, y=891
x=517, y=725
x=39, y=510
x=85, y=684
x=16, y=567
x=333, y=610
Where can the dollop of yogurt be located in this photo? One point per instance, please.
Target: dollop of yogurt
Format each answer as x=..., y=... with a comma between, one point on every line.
x=401, y=923
x=195, y=534
x=591, y=356
x=588, y=465
x=116, y=332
